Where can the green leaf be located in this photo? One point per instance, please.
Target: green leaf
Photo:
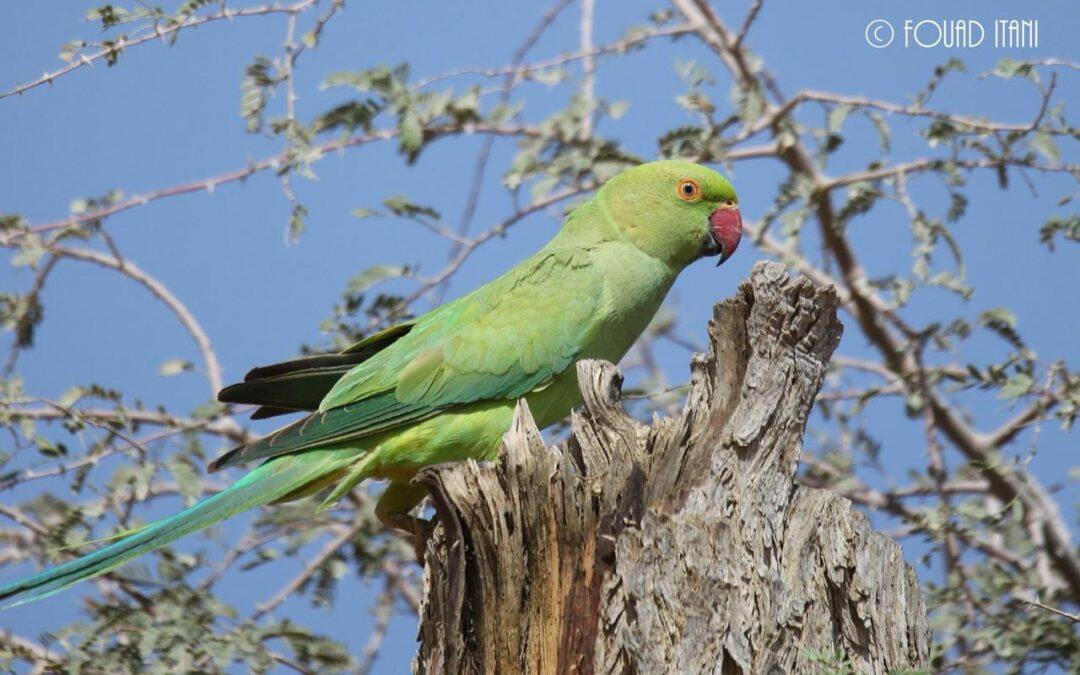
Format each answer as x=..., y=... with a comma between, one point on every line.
x=174, y=367
x=410, y=134
x=751, y=105
x=1044, y=144
x=374, y=275
x=616, y=109
x=1007, y=68
x=10, y=222
x=362, y=213
x=1002, y=322
x=31, y=250
x=70, y=49
x=349, y=116
x=883, y=130
x=957, y=207
x=1067, y=227
x=998, y=315
x=548, y=76
x=50, y=449
x=543, y=187
x=297, y=222
x=390, y=83
x=109, y=15
x=403, y=207
x=186, y=475
x=837, y=116
x=254, y=90
x=692, y=73
x=70, y=396
x=1017, y=386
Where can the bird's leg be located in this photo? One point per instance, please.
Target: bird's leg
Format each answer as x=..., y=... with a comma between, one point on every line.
x=393, y=508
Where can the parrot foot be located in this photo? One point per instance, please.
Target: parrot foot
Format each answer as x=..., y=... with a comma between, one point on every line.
x=393, y=511
x=415, y=530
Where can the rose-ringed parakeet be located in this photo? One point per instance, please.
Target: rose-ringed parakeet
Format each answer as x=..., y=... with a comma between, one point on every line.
x=443, y=387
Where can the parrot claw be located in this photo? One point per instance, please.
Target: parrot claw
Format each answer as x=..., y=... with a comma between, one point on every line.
x=418, y=534
x=416, y=530
x=394, y=511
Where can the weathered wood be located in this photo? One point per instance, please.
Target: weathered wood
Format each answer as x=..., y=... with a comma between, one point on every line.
x=682, y=546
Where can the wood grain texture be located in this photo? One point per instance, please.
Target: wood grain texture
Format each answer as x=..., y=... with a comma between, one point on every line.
x=681, y=546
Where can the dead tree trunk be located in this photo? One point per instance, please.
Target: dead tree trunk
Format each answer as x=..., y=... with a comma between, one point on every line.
x=684, y=546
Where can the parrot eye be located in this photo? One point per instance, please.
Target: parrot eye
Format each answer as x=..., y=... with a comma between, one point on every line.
x=688, y=190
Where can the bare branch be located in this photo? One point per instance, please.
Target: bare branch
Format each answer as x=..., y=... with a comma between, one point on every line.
x=156, y=31
x=748, y=21
x=384, y=607
x=1073, y=618
x=330, y=548
x=515, y=72
x=588, y=67
x=275, y=162
x=161, y=292
x=226, y=427
x=877, y=322
x=513, y=75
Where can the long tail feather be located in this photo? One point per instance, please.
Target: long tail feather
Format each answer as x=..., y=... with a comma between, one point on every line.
x=263, y=485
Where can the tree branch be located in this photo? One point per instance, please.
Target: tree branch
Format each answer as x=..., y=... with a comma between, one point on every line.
x=162, y=293
x=155, y=31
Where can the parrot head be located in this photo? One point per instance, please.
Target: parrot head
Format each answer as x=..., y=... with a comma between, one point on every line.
x=675, y=211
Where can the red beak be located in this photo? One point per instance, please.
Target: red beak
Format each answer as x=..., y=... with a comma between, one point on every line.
x=725, y=226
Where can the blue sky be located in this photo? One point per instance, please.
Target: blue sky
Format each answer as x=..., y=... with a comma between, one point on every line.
x=164, y=116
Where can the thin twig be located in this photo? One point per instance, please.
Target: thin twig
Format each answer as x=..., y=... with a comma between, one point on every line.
x=588, y=68
x=226, y=427
x=155, y=31
x=516, y=73
x=274, y=162
x=1074, y=618
x=480, y=165
x=162, y=293
x=31, y=299
x=384, y=607
x=751, y=16
x=309, y=570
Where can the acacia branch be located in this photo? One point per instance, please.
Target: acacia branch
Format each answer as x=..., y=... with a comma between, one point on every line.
x=226, y=427
x=156, y=31
x=516, y=71
x=162, y=293
x=873, y=317
x=973, y=123
x=480, y=166
x=588, y=67
x=32, y=299
x=275, y=162
x=329, y=549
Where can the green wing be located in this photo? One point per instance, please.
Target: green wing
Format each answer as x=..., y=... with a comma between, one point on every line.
x=302, y=383
x=501, y=341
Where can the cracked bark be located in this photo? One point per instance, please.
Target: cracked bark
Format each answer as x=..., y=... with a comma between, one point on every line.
x=681, y=546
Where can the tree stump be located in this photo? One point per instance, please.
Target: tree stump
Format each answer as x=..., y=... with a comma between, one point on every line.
x=681, y=546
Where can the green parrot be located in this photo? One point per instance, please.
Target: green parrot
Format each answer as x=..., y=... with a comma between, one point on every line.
x=443, y=387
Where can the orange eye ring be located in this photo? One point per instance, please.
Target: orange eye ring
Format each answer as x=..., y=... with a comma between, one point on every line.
x=688, y=190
